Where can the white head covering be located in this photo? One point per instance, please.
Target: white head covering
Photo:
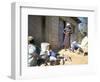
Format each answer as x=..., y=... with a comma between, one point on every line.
x=30, y=38
x=74, y=42
x=68, y=24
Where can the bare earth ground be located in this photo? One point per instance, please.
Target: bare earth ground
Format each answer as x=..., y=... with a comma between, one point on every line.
x=75, y=57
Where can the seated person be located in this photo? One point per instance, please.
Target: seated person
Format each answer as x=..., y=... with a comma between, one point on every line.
x=84, y=44
x=46, y=54
x=83, y=47
x=43, y=57
x=74, y=46
x=52, y=56
x=32, y=55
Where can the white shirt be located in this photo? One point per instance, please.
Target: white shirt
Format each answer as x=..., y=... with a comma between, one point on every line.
x=84, y=42
x=31, y=48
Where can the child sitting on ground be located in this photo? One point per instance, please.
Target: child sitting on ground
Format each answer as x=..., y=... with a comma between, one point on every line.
x=51, y=55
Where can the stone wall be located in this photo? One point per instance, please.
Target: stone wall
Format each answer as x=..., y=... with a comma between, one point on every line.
x=50, y=29
x=52, y=24
x=35, y=28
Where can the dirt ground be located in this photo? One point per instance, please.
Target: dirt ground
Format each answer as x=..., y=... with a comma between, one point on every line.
x=76, y=58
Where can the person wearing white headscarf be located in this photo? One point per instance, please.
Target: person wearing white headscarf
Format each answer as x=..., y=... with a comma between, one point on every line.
x=83, y=47
x=67, y=32
x=32, y=56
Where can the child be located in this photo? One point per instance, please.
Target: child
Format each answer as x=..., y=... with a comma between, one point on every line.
x=52, y=56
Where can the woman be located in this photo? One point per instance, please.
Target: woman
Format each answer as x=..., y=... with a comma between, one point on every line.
x=67, y=32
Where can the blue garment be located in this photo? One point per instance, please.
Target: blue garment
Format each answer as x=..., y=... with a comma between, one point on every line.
x=51, y=53
x=52, y=56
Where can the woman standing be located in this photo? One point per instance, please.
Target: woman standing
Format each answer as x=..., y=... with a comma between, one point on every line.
x=67, y=33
